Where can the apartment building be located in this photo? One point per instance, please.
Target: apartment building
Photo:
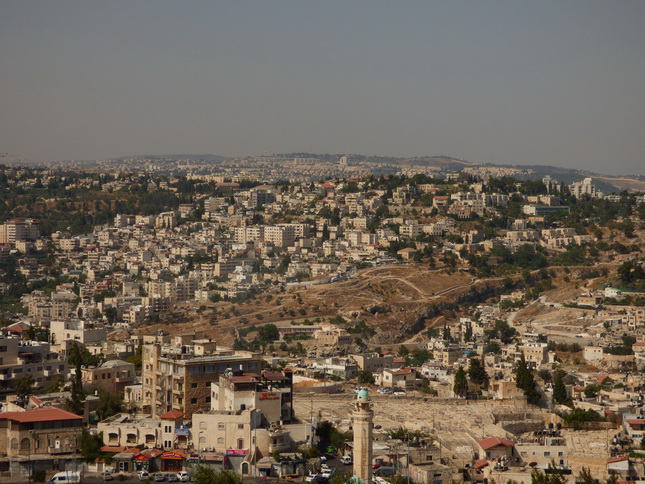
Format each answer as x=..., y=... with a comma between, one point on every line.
x=270, y=392
x=28, y=358
x=16, y=230
x=84, y=332
x=178, y=376
x=112, y=376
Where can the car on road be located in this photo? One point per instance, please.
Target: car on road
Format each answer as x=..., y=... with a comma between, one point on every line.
x=158, y=477
x=172, y=478
x=327, y=473
x=143, y=475
x=346, y=459
x=183, y=476
x=106, y=476
x=385, y=471
x=66, y=477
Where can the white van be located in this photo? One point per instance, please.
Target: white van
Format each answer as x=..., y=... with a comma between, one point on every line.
x=346, y=459
x=66, y=477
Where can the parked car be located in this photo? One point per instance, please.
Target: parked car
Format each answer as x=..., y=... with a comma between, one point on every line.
x=385, y=471
x=143, y=475
x=183, y=476
x=66, y=477
x=106, y=476
x=172, y=478
x=158, y=477
x=327, y=473
x=346, y=459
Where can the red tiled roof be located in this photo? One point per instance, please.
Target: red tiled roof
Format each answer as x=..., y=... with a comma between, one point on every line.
x=113, y=449
x=491, y=442
x=636, y=422
x=404, y=371
x=617, y=459
x=172, y=415
x=48, y=414
x=480, y=463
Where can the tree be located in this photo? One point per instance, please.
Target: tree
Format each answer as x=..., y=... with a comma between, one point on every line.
x=207, y=475
x=24, y=386
x=526, y=382
x=560, y=394
x=89, y=445
x=446, y=333
x=75, y=403
x=110, y=314
x=461, y=382
x=364, y=377
x=554, y=477
x=136, y=359
x=109, y=404
x=468, y=333
x=477, y=372
x=585, y=477
x=268, y=332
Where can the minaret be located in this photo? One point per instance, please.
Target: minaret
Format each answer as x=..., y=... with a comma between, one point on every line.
x=362, y=424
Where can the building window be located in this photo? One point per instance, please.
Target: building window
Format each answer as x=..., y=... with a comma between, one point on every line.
x=220, y=426
x=193, y=385
x=202, y=425
x=240, y=426
x=25, y=444
x=193, y=400
x=220, y=440
x=240, y=444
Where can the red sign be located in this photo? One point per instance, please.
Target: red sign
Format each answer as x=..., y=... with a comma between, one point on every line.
x=171, y=455
x=235, y=452
x=141, y=457
x=269, y=396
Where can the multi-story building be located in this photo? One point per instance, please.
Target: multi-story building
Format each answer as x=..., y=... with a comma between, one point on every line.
x=81, y=331
x=270, y=392
x=18, y=230
x=178, y=377
x=373, y=361
x=585, y=187
x=112, y=375
x=28, y=358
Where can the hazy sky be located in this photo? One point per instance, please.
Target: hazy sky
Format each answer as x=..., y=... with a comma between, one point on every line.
x=516, y=82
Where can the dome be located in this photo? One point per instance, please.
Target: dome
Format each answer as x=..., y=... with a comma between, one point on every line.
x=362, y=394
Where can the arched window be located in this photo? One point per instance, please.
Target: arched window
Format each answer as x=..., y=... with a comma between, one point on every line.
x=202, y=425
x=240, y=443
x=25, y=444
x=220, y=440
x=202, y=442
x=14, y=444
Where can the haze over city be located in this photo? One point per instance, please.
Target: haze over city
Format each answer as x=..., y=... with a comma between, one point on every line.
x=549, y=82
